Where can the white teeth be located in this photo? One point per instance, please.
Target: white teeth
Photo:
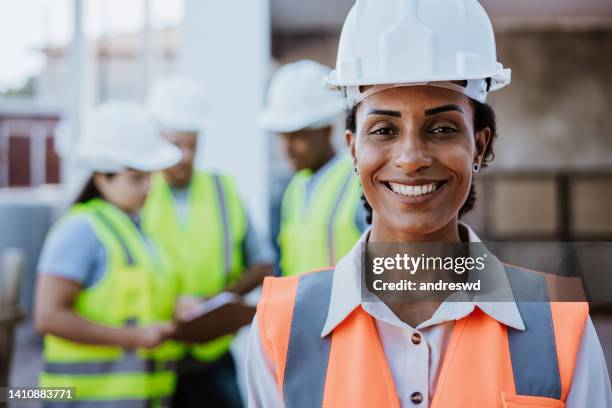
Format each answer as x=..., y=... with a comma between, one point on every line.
x=413, y=191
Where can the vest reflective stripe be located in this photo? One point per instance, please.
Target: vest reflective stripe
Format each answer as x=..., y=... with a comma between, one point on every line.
x=315, y=233
x=129, y=259
x=227, y=236
x=536, y=366
x=136, y=289
x=129, y=363
x=533, y=351
x=305, y=340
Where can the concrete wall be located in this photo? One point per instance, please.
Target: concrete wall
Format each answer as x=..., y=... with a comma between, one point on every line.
x=556, y=112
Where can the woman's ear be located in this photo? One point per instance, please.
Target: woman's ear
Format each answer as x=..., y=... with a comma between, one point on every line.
x=350, y=142
x=483, y=138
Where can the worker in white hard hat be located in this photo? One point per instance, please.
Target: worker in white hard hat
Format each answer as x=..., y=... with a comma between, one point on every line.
x=415, y=75
x=199, y=217
x=106, y=292
x=321, y=215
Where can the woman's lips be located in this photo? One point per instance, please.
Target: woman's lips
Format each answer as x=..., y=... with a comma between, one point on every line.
x=415, y=192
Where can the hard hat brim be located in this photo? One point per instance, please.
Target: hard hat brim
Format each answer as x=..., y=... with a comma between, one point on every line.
x=501, y=77
x=167, y=155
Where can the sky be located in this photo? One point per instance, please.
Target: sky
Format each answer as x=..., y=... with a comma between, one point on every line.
x=28, y=25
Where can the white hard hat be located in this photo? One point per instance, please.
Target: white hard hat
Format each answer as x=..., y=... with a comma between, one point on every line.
x=417, y=42
x=298, y=99
x=121, y=135
x=178, y=104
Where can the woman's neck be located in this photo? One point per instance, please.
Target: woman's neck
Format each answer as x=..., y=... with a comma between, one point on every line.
x=381, y=232
x=413, y=313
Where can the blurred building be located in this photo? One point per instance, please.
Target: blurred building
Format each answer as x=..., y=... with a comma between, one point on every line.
x=116, y=69
x=118, y=66
x=27, y=154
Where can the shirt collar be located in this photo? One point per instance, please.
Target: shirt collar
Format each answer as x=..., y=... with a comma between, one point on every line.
x=346, y=295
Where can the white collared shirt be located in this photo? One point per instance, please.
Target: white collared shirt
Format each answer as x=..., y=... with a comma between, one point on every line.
x=416, y=367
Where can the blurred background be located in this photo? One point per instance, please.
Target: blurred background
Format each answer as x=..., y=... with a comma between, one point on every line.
x=551, y=179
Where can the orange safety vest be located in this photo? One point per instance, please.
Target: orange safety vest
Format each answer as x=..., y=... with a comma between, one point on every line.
x=487, y=363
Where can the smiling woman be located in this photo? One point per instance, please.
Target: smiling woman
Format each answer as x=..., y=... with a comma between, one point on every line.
x=416, y=75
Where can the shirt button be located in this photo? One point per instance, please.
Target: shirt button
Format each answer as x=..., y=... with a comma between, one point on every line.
x=416, y=398
x=416, y=338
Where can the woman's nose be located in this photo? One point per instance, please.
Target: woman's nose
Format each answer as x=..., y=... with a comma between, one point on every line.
x=412, y=154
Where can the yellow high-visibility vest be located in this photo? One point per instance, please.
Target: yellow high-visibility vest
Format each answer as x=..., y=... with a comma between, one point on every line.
x=138, y=288
x=207, y=249
x=317, y=234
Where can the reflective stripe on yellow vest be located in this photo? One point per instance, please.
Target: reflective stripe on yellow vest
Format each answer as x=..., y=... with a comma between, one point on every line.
x=207, y=248
x=137, y=288
x=317, y=234
x=487, y=364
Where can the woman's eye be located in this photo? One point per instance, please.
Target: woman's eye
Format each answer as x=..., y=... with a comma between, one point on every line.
x=443, y=129
x=384, y=131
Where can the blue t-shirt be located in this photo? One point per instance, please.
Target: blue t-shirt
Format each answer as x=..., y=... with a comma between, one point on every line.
x=73, y=251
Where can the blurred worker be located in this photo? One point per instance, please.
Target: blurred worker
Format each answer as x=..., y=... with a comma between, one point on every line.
x=416, y=75
x=321, y=213
x=199, y=217
x=105, y=295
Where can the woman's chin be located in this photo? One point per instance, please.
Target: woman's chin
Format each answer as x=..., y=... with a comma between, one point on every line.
x=416, y=225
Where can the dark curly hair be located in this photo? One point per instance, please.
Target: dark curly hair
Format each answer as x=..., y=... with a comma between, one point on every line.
x=90, y=190
x=484, y=117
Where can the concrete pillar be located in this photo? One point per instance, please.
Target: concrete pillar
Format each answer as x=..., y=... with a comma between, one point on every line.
x=226, y=45
x=75, y=110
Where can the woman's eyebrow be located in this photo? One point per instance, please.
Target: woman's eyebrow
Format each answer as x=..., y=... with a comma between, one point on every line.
x=385, y=113
x=445, y=108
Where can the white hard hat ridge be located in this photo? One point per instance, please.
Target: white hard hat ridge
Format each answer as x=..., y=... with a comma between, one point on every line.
x=416, y=42
x=297, y=99
x=121, y=134
x=178, y=103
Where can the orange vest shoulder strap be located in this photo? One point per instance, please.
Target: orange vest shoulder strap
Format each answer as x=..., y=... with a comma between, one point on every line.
x=274, y=315
x=542, y=358
x=292, y=313
x=569, y=320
